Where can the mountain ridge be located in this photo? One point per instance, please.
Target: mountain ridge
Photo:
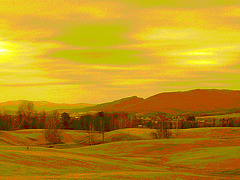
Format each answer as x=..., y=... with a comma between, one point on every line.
x=195, y=100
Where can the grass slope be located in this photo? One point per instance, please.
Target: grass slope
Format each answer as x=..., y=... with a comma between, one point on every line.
x=206, y=153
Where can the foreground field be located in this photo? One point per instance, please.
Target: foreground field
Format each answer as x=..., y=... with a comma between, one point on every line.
x=207, y=153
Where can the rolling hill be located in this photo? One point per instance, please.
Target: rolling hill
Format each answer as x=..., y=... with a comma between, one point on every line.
x=199, y=153
x=11, y=106
x=199, y=100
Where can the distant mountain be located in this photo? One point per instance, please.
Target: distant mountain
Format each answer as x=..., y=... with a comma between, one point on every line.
x=189, y=101
x=199, y=100
x=41, y=105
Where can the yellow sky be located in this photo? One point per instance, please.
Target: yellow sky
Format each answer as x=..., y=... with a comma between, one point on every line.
x=95, y=51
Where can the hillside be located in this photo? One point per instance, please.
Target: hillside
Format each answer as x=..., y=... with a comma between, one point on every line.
x=199, y=100
x=41, y=105
x=117, y=105
x=189, y=101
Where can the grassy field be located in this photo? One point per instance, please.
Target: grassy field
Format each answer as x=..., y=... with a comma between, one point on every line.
x=203, y=153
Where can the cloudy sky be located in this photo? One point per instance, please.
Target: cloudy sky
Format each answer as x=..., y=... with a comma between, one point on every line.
x=93, y=51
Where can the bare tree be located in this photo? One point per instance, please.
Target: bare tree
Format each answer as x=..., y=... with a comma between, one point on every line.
x=42, y=120
x=163, y=130
x=25, y=113
x=53, y=132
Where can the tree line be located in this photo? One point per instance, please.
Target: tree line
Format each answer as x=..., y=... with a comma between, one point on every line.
x=186, y=122
x=28, y=118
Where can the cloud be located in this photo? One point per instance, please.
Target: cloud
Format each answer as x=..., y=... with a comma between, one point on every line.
x=34, y=19
x=99, y=56
x=63, y=9
x=93, y=34
x=94, y=51
x=185, y=4
x=197, y=38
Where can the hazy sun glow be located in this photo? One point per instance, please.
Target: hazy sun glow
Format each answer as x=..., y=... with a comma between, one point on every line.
x=95, y=51
x=3, y=50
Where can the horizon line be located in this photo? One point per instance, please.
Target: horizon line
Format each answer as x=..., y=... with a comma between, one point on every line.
x=119, y=98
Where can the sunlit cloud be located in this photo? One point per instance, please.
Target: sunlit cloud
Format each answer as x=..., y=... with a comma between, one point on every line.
x=233, y=11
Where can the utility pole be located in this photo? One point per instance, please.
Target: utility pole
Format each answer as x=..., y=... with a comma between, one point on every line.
x=101, y=114
x=177, y=126
x=90, y=133
x=103, y=132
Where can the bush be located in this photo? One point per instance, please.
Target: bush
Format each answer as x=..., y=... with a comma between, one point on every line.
x=162, y=134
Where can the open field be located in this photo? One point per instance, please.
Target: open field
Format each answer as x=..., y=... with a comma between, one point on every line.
x=218, y=119
x=203, y=153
